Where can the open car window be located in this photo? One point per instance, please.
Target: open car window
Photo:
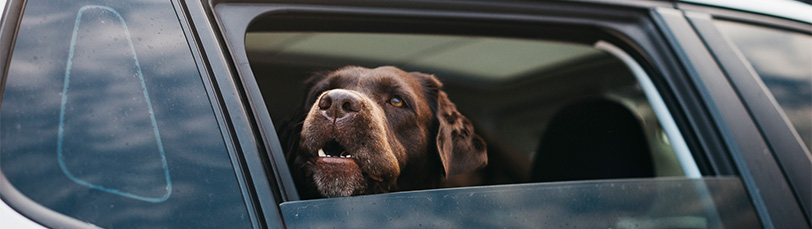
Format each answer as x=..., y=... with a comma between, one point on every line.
x=549, y=110
x=572, y=121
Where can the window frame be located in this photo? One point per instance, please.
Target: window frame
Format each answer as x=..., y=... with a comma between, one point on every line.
x=8, y=33
x=647, y=47
x=786, y=145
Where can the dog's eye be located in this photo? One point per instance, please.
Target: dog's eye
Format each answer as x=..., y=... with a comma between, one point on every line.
x=396, y=101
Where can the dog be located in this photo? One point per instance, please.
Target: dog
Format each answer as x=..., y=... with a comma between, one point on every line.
x=367, y=131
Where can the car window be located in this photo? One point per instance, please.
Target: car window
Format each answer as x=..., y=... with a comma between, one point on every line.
x=105, y=118
x=577, y=134
x=782, y=59
x=549, y=110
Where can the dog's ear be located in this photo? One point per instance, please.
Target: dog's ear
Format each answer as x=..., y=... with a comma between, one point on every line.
x=461, y=150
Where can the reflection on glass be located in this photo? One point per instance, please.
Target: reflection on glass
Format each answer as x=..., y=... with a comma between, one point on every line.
x=103, y=104
x=783, y=59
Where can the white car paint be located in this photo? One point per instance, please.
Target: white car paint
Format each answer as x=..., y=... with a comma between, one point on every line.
x=13, y=219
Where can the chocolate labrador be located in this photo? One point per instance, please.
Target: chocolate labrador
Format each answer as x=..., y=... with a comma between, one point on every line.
x=365, y=131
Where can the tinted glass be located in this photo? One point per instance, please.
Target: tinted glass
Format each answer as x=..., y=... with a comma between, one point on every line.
x=783, y=59
x=645, y=203
x=105, y=118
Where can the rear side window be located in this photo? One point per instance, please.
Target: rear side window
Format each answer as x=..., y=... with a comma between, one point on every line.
x=782, y=59
x=549, y=110
x=105, y=118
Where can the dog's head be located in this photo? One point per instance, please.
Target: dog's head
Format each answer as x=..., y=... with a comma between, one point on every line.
x=378, y=130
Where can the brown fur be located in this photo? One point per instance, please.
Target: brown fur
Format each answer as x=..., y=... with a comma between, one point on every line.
x=348, y=112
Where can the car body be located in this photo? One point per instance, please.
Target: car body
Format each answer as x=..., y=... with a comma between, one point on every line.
x=164, y=113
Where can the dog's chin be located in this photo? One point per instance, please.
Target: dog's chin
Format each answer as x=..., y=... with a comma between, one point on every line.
x=337, y=177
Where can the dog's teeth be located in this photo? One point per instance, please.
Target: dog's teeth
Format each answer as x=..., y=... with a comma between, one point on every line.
x=321, y=153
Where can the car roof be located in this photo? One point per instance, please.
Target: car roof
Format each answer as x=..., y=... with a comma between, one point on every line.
x=789, y=9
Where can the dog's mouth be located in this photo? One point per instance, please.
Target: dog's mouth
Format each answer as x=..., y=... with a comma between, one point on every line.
x=333, y=151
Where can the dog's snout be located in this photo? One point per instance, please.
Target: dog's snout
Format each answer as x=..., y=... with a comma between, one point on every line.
x=338, y=103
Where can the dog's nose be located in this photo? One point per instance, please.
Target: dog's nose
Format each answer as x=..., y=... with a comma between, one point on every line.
x=337, y=103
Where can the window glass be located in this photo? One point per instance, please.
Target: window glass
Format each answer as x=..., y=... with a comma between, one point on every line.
x=642, y=203
x=782, y=59
x=105, y=118
x=548, y=110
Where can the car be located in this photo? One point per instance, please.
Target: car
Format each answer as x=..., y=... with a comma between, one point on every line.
x=597, y=114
